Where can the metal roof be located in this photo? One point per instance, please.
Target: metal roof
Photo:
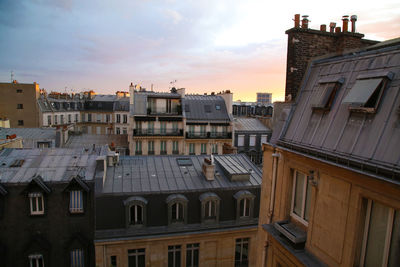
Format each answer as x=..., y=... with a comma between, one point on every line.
x=369, y=140
x=87, y=140
x=156, y=174
x=249, y=125
x=205, y=107
x=52, y=165
x=29, y=133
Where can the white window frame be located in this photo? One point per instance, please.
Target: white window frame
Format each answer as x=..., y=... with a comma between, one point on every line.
x=34, y=260
x=76, y=201
x=304, y=199
x=77, y=258
x=252, y=140
x=242, y=242
x=36, y=198
x=203, y=149
x=246, y=207
x=240, y=140
x=264, y=139
x=192, y=148
x=135, y=218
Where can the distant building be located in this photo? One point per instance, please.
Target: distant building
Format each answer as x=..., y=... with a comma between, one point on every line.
x=251, y=109
x=33, y=137
x=332, y=197
x=250, y=134
x=18, y=102
x=264, y=98
x=177, y=211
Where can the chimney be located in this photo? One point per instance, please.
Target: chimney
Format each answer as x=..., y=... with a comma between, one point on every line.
x=297, y=20
x=323, y=28
x=304, y=22
x=353, y=23
x=338, y=30
x=345, y=20
x=131, y=92
x=332, y=26
x=208, y=169
x=228, y=98
x=181, y=91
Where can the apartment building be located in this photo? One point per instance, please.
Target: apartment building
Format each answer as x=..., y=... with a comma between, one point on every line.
x=264, y=98
x=251, y=109
x=332, y=195
x=19, y=104
x=177, y=210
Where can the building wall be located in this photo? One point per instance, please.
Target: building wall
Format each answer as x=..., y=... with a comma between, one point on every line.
x=216, y=249
x=55, y=231
x=25, y=94
x=337, y=208
x=253, y=152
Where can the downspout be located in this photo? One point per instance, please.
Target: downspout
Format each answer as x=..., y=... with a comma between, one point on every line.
x=275, y=160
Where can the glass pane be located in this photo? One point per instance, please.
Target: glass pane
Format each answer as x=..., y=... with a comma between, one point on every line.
x=376, y=235
x=394, y=255
x=298, y=194
x=308, y=202
x=196, y=258
x=237, y=250
x=178, y=259
x=40, y=203
x=242, y=212
x=141, y=261
x=173, y=212
x=139, y=214
x=189, y=262
x=131, y=261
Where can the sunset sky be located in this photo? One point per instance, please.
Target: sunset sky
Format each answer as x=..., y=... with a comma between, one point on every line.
x=204, y=45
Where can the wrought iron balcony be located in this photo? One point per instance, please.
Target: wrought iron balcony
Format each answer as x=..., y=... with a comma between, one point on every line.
x=157, y=132
x=212, y=135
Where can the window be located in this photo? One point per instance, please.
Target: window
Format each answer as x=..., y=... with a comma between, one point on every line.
x=118, y=118
x=20, y=106
x=175, y=127
x=82, y=117
x=19, y=91
x=48, y=119
x=177, y=209
x=150, y=127
x=76, y=117
x=139, y=126
x=191, y=129
x=163, y=147
x=137, y=257
x=381, y=237
x=36, y=203
x=175, y=148
x=217, y=107
x=192, y=149
x=89, y=117
x=124, y=130
x=184, y=161
x=117, y=130
x=55, y=119
x=263, y=139
x=301, y=197
x=150, y=147
x=252, y=140
x=204, y=148
x=77, y=259
x=76, y=201
x=113, y=261
x=108, y=117
x=62, y=119
x=69, y=118
x=135, y=211
x=240, y=140
x=174, y=256
x=366, y=94
x=325, y=99
x=203, y=130
x=214, y=130
x=209, y=207
x=138, y=149
x=36, y=260
x=125, y=118
x=242, y=252
x=98, y=119
x=163, y=127
x=43, y=144
x=214, y=148
x=192, y=255
x=20, y=122
x=136, y=214
x=244, y=204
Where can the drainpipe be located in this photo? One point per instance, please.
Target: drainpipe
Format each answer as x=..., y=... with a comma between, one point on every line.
x=275, y=160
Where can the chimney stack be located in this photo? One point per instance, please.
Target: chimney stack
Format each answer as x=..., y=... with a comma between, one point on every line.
x=332, y=26
x=304, y=22
x=297, y=20
x=323, y=28
x=353, y=23
x=338, y=30
x=345, y=20
x=208, y=169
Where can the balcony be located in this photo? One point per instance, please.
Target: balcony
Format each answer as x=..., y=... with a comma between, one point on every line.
x=157, y=132
x=209, y=135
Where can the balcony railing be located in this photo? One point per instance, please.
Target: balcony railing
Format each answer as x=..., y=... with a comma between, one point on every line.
x=204, y=135
x=158, y=132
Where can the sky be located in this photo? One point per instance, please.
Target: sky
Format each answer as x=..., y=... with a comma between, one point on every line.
x=203, y=46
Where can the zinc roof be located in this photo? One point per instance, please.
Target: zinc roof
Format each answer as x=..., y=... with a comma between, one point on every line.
x=156, y=174
x=87, y=140
x=205, y=107
x=249, y=125
x=29, y=133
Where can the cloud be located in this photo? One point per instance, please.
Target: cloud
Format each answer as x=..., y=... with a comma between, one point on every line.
x=173, y=15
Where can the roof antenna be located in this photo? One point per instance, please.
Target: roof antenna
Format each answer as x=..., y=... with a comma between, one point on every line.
x=12, y=76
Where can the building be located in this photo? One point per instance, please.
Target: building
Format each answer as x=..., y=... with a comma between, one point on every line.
x=264, y=98
x=19, y=104
x=305, y=43
x=33, y=137
x=47, y=206
x=251, y=109
x=250, y=134
x=332, y=197
x=177, y=211
x=116, y=142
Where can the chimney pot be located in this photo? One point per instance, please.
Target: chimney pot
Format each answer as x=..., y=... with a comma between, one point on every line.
x=304, y=22
x=353, y=23
x=338, y=30
x=332, y=26
x=323, y=28
x=297, y=20
x=345, y=20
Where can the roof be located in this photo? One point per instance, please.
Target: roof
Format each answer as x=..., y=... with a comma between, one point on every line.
x=249, y=125
x=368, y=141
x=159, y=94
x=87, y=140
x=205, y=108
x=52, y=165
x=162, y=174
x=29, y=133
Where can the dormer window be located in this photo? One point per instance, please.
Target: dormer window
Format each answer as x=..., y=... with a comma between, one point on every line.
x=209, y=207
x=36, y=260
x=244, y=204
x=36, y=203
x=177, y=212
x=177, y=209
x=135, y=211
x=326, y=95
x=76, y=201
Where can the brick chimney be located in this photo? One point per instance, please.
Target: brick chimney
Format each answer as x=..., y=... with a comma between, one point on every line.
x=209, y=168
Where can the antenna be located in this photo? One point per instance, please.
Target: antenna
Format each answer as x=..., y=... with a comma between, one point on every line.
x=173, y=83
x=12, y=76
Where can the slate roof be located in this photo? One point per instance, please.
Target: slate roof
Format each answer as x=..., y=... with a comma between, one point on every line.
x=205, y=108
x=54, y=104
x=162, y=174
x=249, y=125
x=87, y=140
x=52, y=165
x=365, y=141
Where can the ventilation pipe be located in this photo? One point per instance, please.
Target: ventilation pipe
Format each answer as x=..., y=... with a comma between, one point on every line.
x=353, y=23
x=345, y=20
x=297, y=20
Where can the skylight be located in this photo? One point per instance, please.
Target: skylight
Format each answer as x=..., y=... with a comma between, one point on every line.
x=184, y=161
